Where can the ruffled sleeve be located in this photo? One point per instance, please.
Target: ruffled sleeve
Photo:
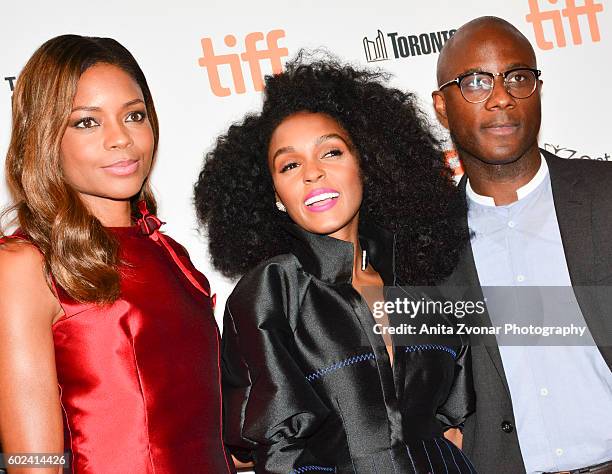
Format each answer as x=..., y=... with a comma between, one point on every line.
x=270, y=409
x=461, y=399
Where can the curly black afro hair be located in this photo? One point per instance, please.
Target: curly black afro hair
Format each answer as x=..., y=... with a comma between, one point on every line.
x=407, y=188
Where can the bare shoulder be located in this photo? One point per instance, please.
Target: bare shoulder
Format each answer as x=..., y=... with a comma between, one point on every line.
x=20, y=261
x=18, y=248
x=23, y=286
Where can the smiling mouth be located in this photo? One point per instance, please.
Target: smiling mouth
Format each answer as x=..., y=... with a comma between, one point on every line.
x=321, y=199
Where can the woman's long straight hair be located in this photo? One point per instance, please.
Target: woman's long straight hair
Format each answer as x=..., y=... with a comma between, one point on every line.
x=79, y=254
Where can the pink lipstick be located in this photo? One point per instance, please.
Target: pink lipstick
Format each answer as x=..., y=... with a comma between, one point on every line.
x=123, y=167
x=321, y=199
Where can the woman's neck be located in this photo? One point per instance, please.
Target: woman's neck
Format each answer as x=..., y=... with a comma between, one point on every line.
x=109, y=212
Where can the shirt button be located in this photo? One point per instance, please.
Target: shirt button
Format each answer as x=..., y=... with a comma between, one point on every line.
x=520, y=278
x=511, y=224
x=543, y=392
x=559, y=452
x=507, y=427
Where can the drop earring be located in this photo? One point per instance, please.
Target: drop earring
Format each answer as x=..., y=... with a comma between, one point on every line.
x=280, y=206
x=364, y=260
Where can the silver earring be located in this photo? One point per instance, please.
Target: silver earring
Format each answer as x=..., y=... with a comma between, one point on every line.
x=364, y=260
x=280, y=206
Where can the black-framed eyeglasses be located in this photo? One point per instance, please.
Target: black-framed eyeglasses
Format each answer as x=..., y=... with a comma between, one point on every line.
x=477, y=87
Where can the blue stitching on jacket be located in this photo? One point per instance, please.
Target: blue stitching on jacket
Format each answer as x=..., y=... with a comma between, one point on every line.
x=340, y=365
x=431, y=347
x=302, y=469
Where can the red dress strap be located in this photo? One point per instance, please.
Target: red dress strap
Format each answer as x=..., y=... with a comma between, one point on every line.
x=4, y=239
x=16, y=236
x=149, y=225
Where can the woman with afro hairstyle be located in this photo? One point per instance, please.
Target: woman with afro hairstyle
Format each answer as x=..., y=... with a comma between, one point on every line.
x=333, y=191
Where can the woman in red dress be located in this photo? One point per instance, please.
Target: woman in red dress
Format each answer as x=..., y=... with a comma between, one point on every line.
x=108, y=344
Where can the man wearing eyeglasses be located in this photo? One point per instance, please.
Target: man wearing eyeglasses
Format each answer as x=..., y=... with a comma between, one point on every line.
x=534, y=220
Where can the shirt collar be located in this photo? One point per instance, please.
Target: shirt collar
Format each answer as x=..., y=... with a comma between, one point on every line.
x=521, y=192
x=331, y=260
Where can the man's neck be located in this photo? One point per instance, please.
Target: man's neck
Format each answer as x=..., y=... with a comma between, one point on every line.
x=501, y=182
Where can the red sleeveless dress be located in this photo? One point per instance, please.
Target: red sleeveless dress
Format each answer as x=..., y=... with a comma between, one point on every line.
x=140, y=378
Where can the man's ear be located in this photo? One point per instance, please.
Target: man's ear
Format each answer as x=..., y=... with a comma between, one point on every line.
x=439, y=103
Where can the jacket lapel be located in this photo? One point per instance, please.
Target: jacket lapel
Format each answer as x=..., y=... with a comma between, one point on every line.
x=573, y=206
x=574, y=209
x=464, y=284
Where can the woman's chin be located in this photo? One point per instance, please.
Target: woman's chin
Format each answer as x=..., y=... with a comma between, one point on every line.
x=324, y=226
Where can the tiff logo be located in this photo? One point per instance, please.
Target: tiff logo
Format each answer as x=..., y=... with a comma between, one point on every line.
x=375, y=50
x=252, y=55
x=588, y=9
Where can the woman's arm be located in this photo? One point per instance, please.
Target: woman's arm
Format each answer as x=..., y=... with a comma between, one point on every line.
x=455, y=436
x=461, y=400
x=270, y=408
x=30, y=411
x=242, y=466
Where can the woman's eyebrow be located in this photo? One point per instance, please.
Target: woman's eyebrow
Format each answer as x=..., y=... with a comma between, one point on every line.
x=280, y=151
x=329, y=136
x=321, y=139
x=91, y=108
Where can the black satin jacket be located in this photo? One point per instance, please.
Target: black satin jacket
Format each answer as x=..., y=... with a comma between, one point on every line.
x=307, y=384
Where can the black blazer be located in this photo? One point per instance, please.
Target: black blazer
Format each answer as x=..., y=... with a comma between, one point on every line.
x=307, y=385
x=581, y=193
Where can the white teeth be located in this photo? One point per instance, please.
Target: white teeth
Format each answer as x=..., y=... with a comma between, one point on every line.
x=320, y=197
